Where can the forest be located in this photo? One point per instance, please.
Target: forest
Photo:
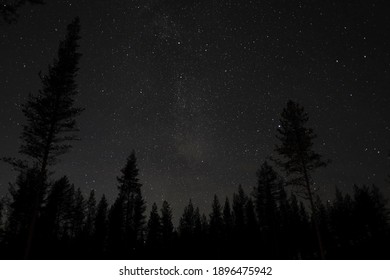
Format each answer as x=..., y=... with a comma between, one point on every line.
x=281, y=218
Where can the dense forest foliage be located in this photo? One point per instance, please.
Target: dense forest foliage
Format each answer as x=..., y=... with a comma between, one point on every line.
x=281, y=218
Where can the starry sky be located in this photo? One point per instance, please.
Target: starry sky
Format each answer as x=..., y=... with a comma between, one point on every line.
x=196, y=88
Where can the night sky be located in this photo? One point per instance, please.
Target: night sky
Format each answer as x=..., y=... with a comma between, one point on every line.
x=196, y=88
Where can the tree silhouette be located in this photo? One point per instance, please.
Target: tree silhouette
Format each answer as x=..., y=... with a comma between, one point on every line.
x=166, y=225
x=56, y=215
x=186, y=224
x=298, y=159
x=51, y=119
x=22, y=208
x=116, y=230
x=266, y=199
x=186, y=230
x=370, y=217
x=251, y=227
x=3, y=206
x=78, y=214
x=216, y=221
x=153, y=237
x=101, y=227
x=239, y=201
x=127, y=215
x=89, y=226
x=216, y=227
x=227, y=219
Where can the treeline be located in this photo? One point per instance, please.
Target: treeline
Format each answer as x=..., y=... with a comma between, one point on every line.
x=281, y=218
x=267, y=223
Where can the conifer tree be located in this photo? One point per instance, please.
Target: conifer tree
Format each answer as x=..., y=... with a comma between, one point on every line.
x=227, y=218
x=370, y=217
x=116, y=230
x=198, y=230
x=78, y=214
x=51, y=123
x=22, y=209
x=90, y=217
x=59, y=204
x=266, y=195
x=239, y=202
x=153, y=237
x=186, y=224
x=297, y=157
x=131, y=205
x=51, y=114
x=166, y=224
x=216, y=222
x=2, y=209
x=101, y=226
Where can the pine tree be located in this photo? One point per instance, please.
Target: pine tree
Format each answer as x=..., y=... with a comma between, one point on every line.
x=51, y=114
x=153, y=237
x=78, y=214
x=90, y=216
x=251, y=231
x=131, y=204
x=2, y=209
x=56, y=213
x=166, y=224
x=198, y=230
x=266, y=195
x=22, y=209
x=186, y=224
x=298, y=159
x=51, y=121
x=239, y=202
x=89, y=224
x=227, y=218
x=101, y=227
x=187, y=231
x=116, y=230
x=370, y=217
x=216, y=222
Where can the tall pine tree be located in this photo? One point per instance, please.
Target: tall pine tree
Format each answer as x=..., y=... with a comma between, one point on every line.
x=51, y=123
x=153, y=237
x=297, y=156
x=132, y=205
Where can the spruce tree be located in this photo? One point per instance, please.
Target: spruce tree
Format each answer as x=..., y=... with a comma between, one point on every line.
x=297, y=156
